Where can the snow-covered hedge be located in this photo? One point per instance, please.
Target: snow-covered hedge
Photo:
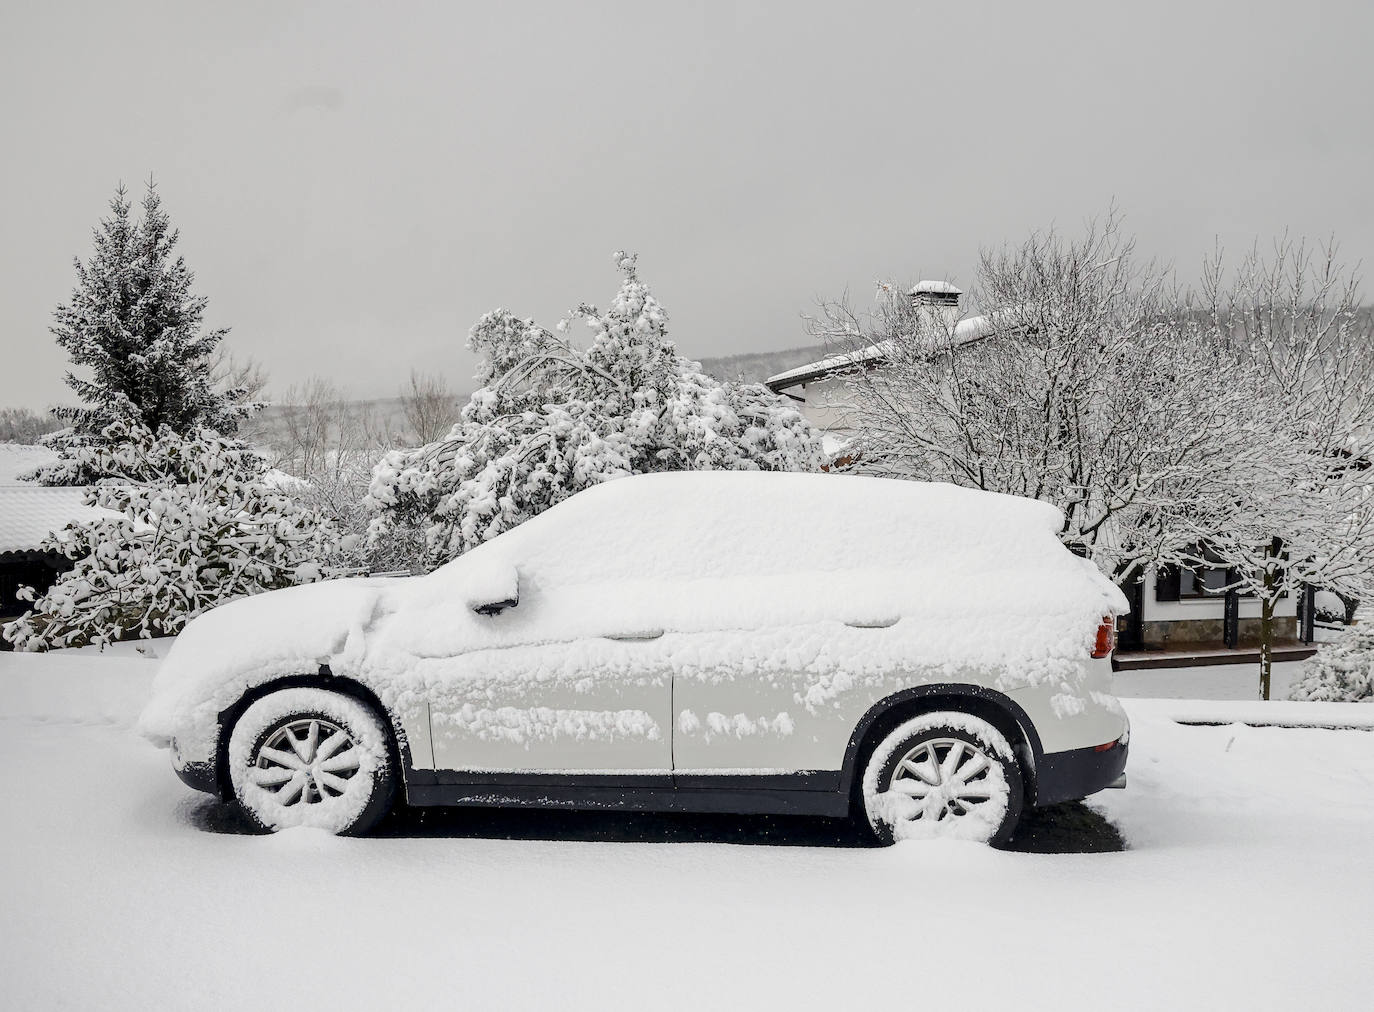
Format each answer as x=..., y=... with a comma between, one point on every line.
x=198, y=526
x=551, y=419
x=1342, y=672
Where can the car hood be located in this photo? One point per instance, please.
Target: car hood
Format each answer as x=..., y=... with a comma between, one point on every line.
x=226, y=651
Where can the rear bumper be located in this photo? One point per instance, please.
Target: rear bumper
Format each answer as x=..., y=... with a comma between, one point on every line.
x=1068, y=776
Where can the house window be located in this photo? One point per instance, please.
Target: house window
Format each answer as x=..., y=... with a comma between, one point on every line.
x=1205, y=582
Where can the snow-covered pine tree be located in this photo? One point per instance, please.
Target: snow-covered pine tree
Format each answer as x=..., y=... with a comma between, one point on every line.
x=135, y=326
x=198, y=525
x=1340, y=672
x=551, y=419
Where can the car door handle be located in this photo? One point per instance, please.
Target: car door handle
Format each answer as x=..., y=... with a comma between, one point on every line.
x=635, y=637
x=873, y=623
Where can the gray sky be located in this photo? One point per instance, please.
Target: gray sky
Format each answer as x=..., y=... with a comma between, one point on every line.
x=356, y=184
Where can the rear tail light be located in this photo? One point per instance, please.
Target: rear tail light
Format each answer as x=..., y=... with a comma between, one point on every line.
x=1106, y=637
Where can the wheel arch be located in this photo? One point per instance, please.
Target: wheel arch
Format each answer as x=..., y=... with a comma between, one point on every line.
x=997, y=708
x=397, y=745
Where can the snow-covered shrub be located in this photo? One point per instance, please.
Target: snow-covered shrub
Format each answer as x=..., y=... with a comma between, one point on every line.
x=551, y=419
x=1341, y=672
x=198, y=525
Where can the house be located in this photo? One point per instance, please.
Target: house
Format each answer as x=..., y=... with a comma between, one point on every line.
x=1177, y=610
x=820, y=389
x=1182, y=612
x=28, y=514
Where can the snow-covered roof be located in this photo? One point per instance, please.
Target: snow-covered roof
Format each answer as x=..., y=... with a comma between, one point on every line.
x=936, y=288
x=974, y=328
x=29, y=513
x=20, y=458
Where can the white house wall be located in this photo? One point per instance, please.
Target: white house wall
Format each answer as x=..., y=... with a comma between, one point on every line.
x=1204, y=608
x=829, y=403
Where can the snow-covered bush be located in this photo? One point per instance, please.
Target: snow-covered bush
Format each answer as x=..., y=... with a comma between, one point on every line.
x=1341, y=672
x=551, y=419
x=198, y=525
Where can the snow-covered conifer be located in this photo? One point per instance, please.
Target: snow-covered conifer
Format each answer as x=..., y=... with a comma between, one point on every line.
x=551, y=418
x=135, y=329
x=198, y=526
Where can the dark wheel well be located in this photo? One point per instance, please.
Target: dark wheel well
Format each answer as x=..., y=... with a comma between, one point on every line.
x=985, y=704
x=323, y=679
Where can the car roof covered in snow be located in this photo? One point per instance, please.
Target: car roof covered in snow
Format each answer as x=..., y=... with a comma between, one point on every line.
x=740, y=523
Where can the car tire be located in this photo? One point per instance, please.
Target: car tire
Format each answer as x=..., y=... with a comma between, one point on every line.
x=311, y=757
x=942, y=775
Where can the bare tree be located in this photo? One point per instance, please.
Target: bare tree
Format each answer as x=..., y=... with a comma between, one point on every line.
x=1301, y=512
x=331, y=443
x=1078, y=388
x=21, y=425
x=430, y=407
x=247, y=378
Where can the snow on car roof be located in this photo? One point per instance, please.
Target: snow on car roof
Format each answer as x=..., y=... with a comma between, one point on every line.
x=723, y=523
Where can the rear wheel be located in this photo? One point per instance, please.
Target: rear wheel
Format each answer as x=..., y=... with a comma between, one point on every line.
x=943, y=775
x=311, y=757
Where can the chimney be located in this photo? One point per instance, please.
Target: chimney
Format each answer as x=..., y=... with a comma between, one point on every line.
x=937, y=303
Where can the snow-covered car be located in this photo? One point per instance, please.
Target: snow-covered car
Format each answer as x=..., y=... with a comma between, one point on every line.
x=927, y=657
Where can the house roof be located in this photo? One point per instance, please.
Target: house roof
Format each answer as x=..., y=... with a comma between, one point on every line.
x=29, y=513
x=936, y=288
x=975, y=328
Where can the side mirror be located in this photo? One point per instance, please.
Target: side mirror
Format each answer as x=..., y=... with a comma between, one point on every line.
x=490, y=586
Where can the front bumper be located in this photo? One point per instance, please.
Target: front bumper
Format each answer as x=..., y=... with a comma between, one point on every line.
x=199, y=774
x=1071, y=775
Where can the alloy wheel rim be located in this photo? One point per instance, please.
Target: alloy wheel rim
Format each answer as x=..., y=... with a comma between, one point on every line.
x=948, y=778
x=306, y=761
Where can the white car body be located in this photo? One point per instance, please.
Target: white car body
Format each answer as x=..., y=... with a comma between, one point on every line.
x=697, y=641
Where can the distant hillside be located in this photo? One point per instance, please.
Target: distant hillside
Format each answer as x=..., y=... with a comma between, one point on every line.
x=757, y=366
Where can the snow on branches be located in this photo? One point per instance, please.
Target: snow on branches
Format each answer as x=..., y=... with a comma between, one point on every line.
x=198, y=526
x=1077, y=391
x=551, y=418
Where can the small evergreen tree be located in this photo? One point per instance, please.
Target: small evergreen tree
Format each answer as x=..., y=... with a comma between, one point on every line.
x=134, y=324
x=551, y=419
x=196, y=525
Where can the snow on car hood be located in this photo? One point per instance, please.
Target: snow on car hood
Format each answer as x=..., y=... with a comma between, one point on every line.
x=252, y=640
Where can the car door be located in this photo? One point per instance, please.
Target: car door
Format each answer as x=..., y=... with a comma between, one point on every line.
x=777, y=700
x=537, y=653
x=541, y=694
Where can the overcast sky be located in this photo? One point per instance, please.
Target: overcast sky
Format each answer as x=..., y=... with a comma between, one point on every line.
x=355, y=185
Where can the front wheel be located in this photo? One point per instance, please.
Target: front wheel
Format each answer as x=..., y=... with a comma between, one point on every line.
x=943, y=776
x=311, y=757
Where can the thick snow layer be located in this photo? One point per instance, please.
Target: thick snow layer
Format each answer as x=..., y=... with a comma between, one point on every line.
x=18, y=459
x=847, y=582
x=1248, y=885
x=30, y=513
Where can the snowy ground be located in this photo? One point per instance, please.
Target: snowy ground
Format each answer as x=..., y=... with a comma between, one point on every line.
x=1212, y=681
x=1247, y=884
